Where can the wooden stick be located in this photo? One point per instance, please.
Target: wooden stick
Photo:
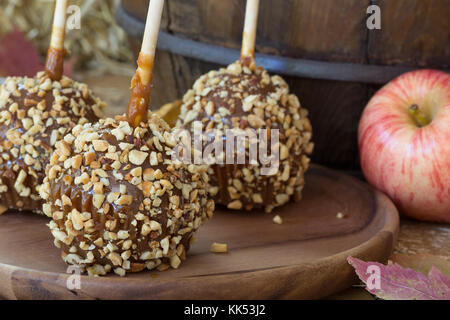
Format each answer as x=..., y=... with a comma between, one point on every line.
x=249, y=34
x=141, y=84
x=148, y=48
x=54, y=65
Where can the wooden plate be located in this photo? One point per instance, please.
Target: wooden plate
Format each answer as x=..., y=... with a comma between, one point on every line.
x=305, y=257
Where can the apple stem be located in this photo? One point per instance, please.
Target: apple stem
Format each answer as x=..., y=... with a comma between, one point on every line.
x=418, y=116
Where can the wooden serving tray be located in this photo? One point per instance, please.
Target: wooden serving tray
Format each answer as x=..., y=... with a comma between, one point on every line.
x=303, y=258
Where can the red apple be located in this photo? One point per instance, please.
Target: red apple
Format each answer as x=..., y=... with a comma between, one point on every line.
x=404, y=143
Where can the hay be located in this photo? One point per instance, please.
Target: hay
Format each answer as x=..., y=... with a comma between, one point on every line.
x=100, y=45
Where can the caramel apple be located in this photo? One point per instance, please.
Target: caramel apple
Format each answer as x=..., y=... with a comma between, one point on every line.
x=118, y=200
x=35, y=113
x=243, y=97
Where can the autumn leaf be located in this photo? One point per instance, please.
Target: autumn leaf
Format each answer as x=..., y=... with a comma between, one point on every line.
x=422, y=262
x=18, y=57
x=393, y=282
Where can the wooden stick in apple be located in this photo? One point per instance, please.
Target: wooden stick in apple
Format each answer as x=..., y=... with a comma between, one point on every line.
x=54, y=65
x=250, y=94
x=141, y=84
x=249, y=34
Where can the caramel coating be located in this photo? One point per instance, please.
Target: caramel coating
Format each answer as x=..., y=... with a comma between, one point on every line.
x=54, y=65
x=140, y=92
x=238, y=97
x=34, y=114
x=117, y=200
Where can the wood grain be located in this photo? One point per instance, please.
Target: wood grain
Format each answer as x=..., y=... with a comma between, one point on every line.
x=317, y=26
x=334, y=117
x=305, y=257
x=140, y=8
x=312, y=29
x=413, y=33
x=307, y=29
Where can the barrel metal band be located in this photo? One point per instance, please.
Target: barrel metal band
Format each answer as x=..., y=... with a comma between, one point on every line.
x=303, y=68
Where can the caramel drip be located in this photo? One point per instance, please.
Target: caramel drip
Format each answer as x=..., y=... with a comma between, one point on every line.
x=54, y=65
x=141, y=87
x=249, y=62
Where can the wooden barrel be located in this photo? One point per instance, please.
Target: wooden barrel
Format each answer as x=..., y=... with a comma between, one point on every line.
x=323, y=48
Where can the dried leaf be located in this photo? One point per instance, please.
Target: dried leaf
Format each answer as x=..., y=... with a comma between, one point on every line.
x=18, y=57
x=422, y=262
x=393, y=282
x=439, y=281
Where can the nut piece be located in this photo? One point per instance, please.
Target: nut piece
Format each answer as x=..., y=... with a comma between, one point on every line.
x=100, y=145
x=340, y=215
x=219, y=247
x=64, y=148
x=255, y=121
x=282, y=198
x=175, y=262
x=235, y=205
x=98, y=200
x=137, y=157
x=277, y=219
x=76, y=162
x=3, y=209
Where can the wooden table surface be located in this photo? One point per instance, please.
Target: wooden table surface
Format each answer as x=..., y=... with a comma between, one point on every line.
x=420, y=245
x=305, y=257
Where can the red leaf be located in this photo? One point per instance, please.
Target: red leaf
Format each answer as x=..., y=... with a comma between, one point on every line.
x=439, y=280
x=18, y=57
x=393, y=282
